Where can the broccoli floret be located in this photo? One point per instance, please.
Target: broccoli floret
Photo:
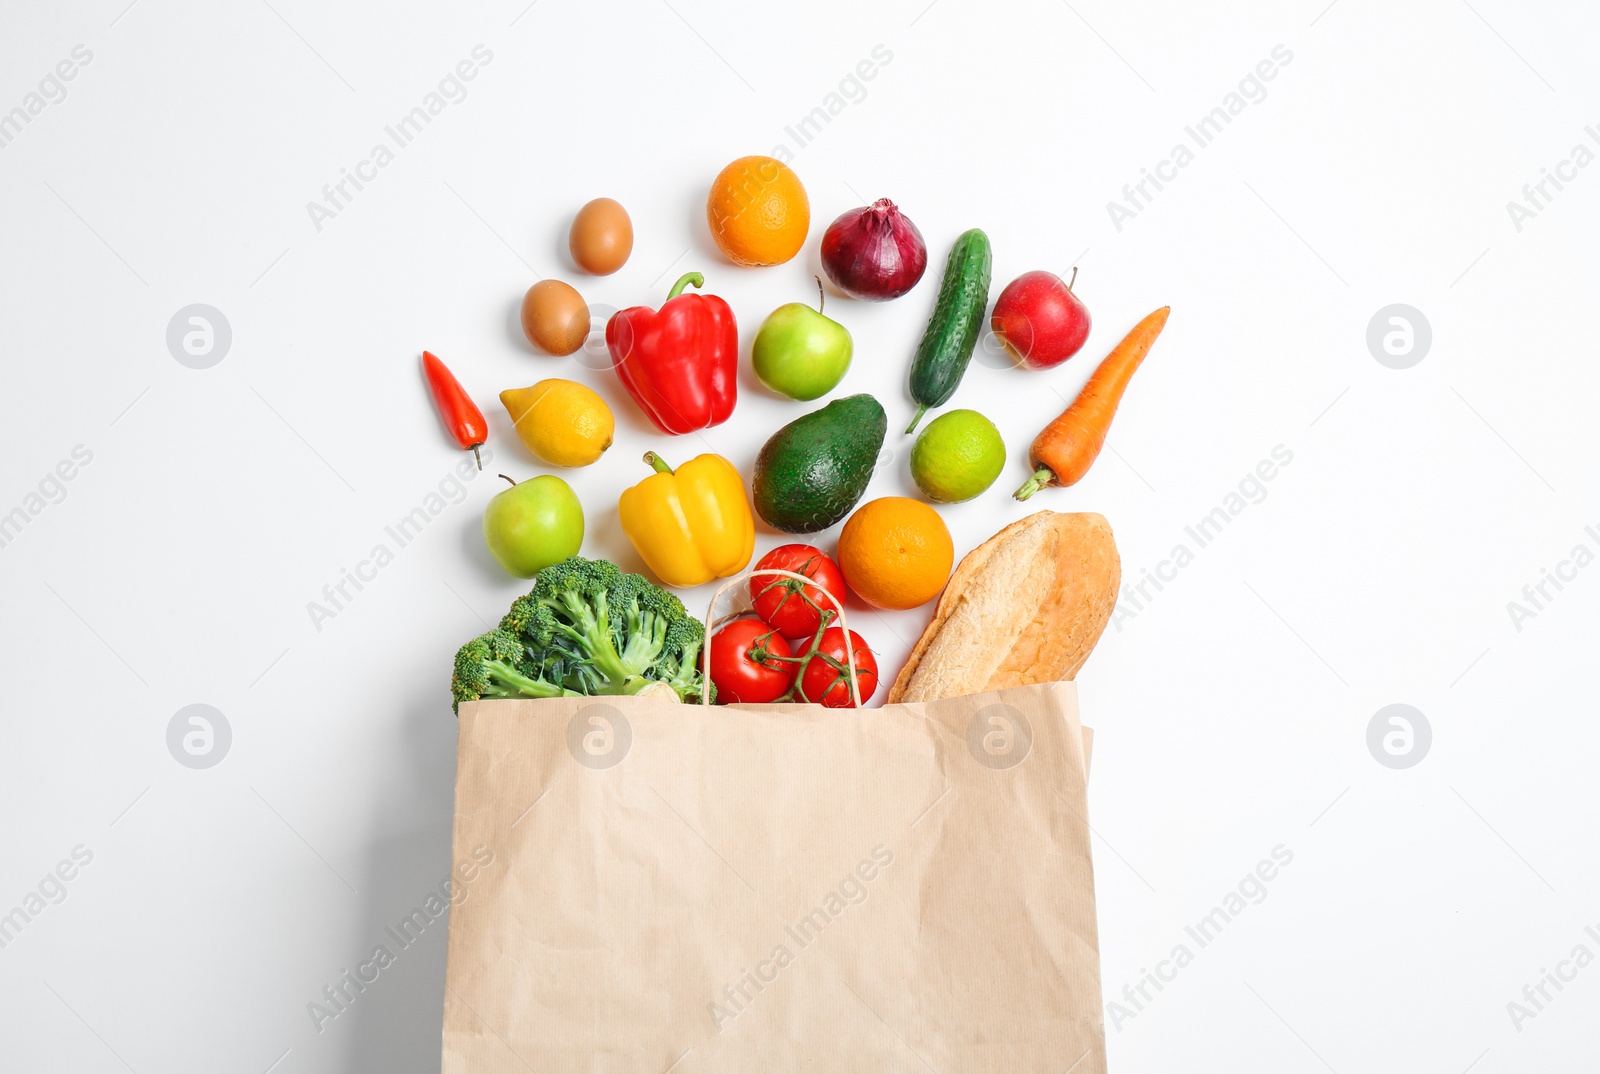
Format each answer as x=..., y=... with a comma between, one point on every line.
x=680, y=667
x=594, y=629
x=496, y=664
x=523, y=610
x=603, y=619
x=644, y=612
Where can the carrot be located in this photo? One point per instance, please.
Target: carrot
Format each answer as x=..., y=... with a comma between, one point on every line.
x=1068, y=446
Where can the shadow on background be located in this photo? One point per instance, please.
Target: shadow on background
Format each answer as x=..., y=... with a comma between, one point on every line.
x=395, y=1025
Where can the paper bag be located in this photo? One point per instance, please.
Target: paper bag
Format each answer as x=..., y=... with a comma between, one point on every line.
x=647, y=887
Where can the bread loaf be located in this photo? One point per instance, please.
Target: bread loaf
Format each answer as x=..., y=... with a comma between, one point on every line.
x=1024, y=607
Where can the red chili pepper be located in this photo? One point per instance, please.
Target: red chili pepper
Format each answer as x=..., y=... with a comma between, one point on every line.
x=462, y=418
x=680, y=363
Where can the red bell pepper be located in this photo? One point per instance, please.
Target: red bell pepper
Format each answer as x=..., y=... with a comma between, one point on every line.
x=681, y=362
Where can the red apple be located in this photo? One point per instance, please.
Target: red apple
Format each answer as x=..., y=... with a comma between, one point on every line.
x=1039, y=320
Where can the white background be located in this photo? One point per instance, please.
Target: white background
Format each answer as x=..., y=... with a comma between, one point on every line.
x=1232, y=710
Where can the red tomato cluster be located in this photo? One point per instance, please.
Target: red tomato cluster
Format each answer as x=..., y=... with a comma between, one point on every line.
x=758, y=660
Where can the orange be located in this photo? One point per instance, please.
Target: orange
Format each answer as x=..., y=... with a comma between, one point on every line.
x=896, y=552
x=758, y=211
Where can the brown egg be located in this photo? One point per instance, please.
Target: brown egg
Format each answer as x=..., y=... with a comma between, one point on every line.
x=602, y=237
x=554, y=317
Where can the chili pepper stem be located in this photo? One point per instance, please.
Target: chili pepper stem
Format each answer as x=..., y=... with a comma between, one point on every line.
x=660, y=465
x=1043, y=477
x=477, y=456
x=921, y=410
x=688, y=279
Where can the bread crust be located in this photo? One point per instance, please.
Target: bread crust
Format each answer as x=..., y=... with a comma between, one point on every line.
x=1026, y=606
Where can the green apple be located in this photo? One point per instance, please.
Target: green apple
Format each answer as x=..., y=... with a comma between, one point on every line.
x=533, y=524
x=799, y=352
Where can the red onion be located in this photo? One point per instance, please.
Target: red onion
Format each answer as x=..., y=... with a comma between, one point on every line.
x=874, y=252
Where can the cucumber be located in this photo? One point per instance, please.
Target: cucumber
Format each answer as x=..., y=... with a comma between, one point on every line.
x=952, y=331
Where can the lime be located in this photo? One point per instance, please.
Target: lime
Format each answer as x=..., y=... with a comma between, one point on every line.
x=957, y=456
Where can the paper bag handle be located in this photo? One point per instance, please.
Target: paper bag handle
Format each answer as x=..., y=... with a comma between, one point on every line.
x=838, y=606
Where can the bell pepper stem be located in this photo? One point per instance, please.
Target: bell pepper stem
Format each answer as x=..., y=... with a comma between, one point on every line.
x=1042, y=478
x=657, y=462
x=688, y=279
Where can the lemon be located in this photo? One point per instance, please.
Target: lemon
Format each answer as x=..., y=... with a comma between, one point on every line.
x=957, y=456
x=561, y=421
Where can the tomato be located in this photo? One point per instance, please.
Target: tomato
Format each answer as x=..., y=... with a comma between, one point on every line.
x=829, y=684
x=779, y=600
x=742, y=664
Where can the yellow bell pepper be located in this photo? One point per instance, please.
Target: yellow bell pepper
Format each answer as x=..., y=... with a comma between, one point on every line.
x=691, y=524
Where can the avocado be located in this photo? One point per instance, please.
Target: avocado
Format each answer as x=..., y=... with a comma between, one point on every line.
x=813, y=470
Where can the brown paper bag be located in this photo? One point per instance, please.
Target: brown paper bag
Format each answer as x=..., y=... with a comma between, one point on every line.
x=647, y=887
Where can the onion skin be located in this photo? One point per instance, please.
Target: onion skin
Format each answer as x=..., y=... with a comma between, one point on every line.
x=874, y=253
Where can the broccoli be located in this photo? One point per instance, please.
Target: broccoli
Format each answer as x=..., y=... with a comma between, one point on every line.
x=608, y=630
x=496, y=665
x=680, y=669
x=586, y=628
